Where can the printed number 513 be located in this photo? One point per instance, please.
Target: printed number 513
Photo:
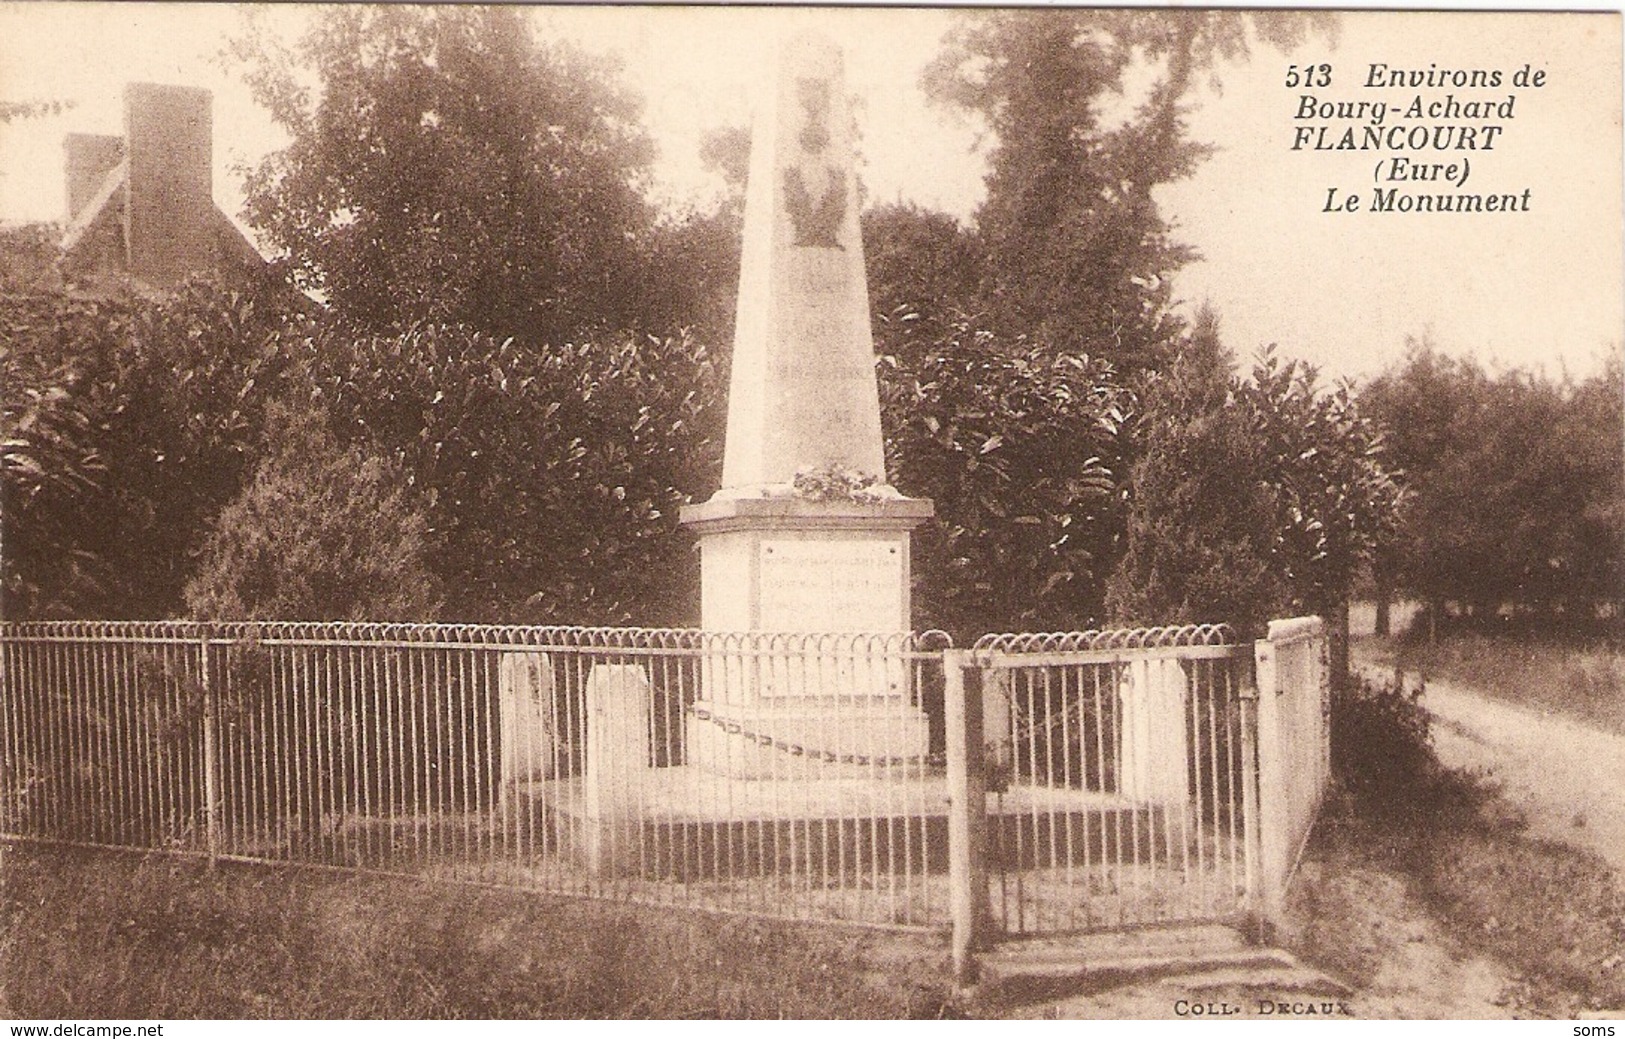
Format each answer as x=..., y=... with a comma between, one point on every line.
x=1309, y=76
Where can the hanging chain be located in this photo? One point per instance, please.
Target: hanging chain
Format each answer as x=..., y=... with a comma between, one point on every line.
x=733, y=728
x=1021, y=731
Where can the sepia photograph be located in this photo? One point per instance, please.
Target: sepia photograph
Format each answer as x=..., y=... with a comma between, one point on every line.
x=705, y=512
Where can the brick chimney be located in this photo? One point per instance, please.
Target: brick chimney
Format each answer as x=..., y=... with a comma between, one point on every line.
x=90, y=158
x=168, y=215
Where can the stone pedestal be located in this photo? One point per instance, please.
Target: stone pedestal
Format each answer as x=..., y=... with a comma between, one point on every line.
x=817, y=681
x=789, y=565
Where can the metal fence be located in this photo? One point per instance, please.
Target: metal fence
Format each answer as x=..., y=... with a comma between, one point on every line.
x=1033, y=784
x=787, y=775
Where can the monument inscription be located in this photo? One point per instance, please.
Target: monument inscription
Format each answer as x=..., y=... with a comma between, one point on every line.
x=836, y=586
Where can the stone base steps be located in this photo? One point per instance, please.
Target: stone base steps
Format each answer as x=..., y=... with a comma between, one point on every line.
x=1198, y=964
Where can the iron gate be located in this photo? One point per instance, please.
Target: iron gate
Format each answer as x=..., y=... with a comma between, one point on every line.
x=1115, y=767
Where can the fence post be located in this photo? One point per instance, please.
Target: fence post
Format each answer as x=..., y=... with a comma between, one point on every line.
x=1251, y=857
x=211, y=780
x=617, y=765
x=1272, y=780
x=1330, y=685
x=967, y=814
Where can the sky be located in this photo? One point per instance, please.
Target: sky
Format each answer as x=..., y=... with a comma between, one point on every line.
x=1344, y=290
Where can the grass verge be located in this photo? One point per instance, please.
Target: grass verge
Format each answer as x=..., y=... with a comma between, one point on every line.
x=105, y=935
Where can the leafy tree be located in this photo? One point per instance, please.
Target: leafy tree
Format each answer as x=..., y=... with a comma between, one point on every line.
x=921, y=261
x=1250, y=498
x=451, y=168
x=50, y=474
x=697, y=255
x=182, y=400
x=1017, y=445
x=320, y=533
x=1515, y=480
x=1590, y=447
x=1338, y=500
x=552, y=482
x=1076, y=251
x=167, y=394
x=725, y=151
x=1197, y=532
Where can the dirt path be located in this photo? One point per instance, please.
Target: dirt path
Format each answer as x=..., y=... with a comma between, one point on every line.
x=1568, y=778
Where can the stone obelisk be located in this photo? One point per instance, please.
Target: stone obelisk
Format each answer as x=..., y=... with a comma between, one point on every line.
x=806, y=534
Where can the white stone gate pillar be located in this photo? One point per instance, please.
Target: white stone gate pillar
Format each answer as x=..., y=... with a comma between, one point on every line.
x=1154, y=763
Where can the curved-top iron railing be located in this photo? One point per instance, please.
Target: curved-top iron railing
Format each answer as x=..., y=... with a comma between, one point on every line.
x=1109, y=639
x=432, y=635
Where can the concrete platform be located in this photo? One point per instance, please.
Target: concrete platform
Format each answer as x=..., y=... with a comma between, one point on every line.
x=684, y=823
x=686, y=793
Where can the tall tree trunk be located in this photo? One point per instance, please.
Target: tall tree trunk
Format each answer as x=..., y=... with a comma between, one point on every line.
x=1338, y=644
x=1385, y=592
